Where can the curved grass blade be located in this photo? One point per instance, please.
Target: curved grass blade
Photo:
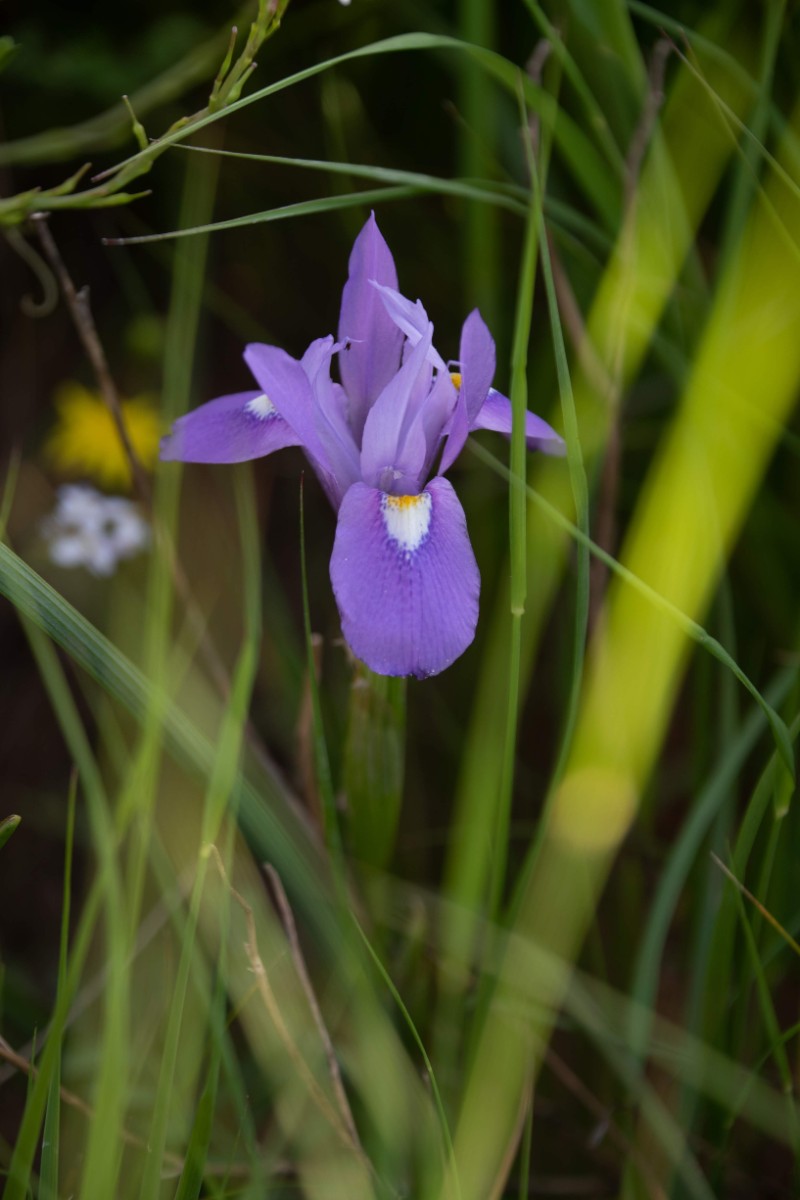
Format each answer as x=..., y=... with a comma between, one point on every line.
x=303, y=208
x=505, y=195
x=398, y=999
x=682, y=855
x=48, y=1167
x=266, y=812
x=9, y=826
x=584, y=161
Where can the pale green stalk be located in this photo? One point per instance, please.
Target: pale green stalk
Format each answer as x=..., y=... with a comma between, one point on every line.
x=220, y=787
x=480, y=240
x=693, y=503
x=643, y=269
x=197, y=203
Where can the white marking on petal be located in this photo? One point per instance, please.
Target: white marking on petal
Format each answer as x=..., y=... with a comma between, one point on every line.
x=260, y=407
x=407, y=519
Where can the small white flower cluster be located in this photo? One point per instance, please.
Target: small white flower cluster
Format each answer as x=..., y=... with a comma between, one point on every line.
x=88, y=529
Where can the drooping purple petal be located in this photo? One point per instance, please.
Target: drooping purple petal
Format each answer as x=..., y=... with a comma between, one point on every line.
x=495, y=414
x=289, y=389
x=230, y=429
x=405, y=579
x=373, y=354
x=394, y=448
x=477, y=363
x=330, y=415
x=410, y=317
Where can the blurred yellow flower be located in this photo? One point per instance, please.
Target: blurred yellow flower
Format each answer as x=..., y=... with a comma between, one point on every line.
x=85, y=440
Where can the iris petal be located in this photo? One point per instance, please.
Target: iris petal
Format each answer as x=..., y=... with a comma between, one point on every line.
x=230, y=429
x=374, y=340
x=394, y=448
x=408, y=316
x=477, y=364
x=286, y=383
x=495, y=414
x=405, y=579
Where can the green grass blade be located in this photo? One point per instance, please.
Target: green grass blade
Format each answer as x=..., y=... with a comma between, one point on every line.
x=683, y=854
x=485, y=191
x=8, y=826
x=111, y=1083
x=333, y=836
x=48, y=1166
x=580, y=498
x=220, y=787
x=583, y=160
x=771, y=1024
x=693, y=629
x=480, y=238
x=409, y=1021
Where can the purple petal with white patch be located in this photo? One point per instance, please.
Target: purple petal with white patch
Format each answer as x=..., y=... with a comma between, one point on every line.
x=230, y=429
x=286, y=383
x=495, y=414
x=477, y=364
x=374, y=340
x=405, y=579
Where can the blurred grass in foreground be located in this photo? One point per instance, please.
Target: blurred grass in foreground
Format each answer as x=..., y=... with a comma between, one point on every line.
x=266, y=982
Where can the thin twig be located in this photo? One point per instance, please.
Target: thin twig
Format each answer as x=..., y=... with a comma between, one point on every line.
x=270, y=1002
x=533, y=69
x=287, y=917
x=498, y=1188
x=589, y=360
x=765, y=913
x=644, y=129
x=81, y=313
x=74, y=1101
x=601, y=1113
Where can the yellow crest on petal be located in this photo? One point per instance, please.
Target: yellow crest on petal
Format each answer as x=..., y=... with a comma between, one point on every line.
x=85, y=440
x=407, y=519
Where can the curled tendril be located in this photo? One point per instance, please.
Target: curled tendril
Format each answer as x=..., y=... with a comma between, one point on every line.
x=43, y=273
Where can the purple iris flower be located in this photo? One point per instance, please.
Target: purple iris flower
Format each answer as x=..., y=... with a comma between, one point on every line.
x=403, y=571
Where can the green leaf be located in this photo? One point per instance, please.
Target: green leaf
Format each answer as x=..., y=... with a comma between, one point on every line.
x=8, y=48
x=7, y=827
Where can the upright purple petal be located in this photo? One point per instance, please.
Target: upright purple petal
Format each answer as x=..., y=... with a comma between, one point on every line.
x=435, y=415
x=477, y=363
x=230, y=429
x=495, y=414
x=394, y=448
x=405, y=579
x=373, y=354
